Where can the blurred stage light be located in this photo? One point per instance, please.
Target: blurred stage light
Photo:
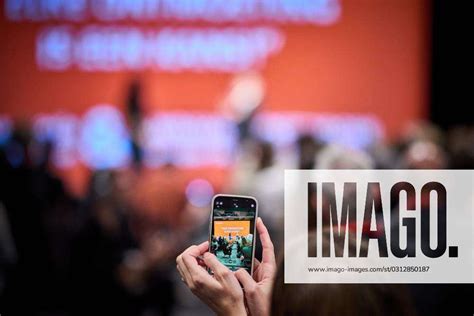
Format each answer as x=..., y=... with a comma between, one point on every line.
x=199, y=192
x=103, y=138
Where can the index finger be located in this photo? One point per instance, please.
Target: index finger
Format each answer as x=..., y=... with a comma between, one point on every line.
x=268, y=252
x=198, y=274
x=197, y=250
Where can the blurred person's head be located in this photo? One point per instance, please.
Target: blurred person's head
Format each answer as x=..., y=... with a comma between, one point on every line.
x=337, y=299
x=338, y=157
x=257, y=154
x=104, y=201
x=245, y=95
x=101, y=184
x=243, y=100
x=23, y=149
x=265, y=155
x=424, y=155
x=308, y=147
x=423, y=131
x=17, y=146
x=106, y=215
x=460, y=146
x=40, y=153
x=419, y=132
x=384, y=155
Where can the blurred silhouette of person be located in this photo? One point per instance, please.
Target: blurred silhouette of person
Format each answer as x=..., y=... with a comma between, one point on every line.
x=134, y=112
x=243, y=100
x=461, y=147
x=258, y=174
x=8, y=255
x=29, y=192
x=384, y=155
x=419, y=131
x=425, y=150
x=337, y=299
x=120, y=266
x=307, y=148
x=99, y=250
x=424, y=155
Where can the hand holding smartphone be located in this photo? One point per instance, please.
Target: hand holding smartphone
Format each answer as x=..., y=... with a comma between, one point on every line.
x=232, y=230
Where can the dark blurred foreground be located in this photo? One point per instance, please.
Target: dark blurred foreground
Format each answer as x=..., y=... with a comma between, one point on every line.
x=102, y=254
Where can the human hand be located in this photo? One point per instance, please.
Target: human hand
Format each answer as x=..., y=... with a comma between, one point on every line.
x=221, y=292
x=258, y=290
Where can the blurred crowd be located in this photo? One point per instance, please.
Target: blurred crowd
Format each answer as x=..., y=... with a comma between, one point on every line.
x=102, y=254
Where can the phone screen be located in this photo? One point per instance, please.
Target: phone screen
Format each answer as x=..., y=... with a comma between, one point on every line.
x=233, y=231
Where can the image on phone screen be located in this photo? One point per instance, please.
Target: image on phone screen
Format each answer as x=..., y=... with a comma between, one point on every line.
x=232, y=238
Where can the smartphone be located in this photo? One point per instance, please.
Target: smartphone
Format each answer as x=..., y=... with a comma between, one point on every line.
x=232, y=230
